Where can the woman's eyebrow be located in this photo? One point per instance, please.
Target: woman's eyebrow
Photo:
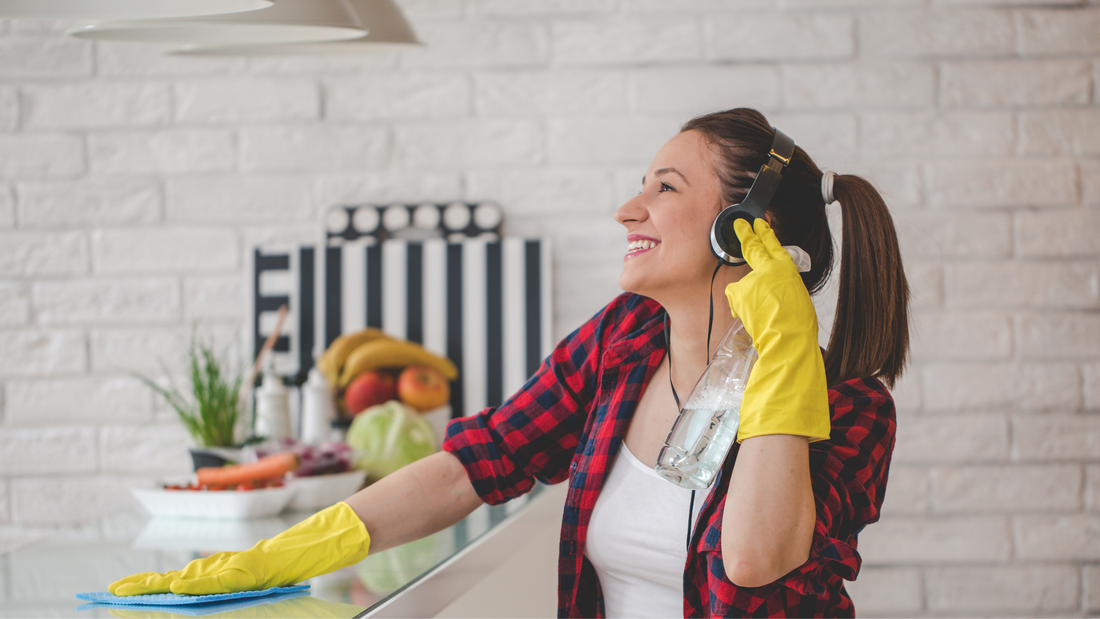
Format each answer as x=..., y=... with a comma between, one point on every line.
x=668, y=171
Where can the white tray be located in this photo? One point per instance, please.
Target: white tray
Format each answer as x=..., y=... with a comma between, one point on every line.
x=321, y=491
x=217, y=505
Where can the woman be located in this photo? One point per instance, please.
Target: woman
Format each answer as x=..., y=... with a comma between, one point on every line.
x=776, y=533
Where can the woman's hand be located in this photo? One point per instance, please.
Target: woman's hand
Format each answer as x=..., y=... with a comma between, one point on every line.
x=328, y=540
x=787, y=390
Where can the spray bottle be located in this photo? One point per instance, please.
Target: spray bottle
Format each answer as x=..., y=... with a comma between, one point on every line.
x=707, y=425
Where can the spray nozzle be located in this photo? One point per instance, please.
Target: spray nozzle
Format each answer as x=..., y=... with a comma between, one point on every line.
x=800, y=257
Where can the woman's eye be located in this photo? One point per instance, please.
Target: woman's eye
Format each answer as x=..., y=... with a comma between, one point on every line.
x=666, y=187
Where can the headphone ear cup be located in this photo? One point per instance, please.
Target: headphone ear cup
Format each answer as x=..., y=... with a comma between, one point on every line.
x=723, y=239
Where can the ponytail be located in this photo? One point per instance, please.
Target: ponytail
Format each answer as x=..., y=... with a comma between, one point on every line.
x=871, y=328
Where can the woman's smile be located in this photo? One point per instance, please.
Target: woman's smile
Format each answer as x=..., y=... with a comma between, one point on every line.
x=639, y=244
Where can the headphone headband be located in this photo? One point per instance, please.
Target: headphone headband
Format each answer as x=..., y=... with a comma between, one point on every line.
x=723, y=240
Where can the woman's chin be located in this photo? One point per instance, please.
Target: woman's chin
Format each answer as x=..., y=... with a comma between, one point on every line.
x=633, y=286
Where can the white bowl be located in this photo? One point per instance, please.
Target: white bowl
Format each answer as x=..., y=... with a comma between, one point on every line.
x=216, y=505
x=206, y=534
x=320, y=491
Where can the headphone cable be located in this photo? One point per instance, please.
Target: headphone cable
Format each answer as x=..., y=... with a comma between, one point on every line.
x=668, y=342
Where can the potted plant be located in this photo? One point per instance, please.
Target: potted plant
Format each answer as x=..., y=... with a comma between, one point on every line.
x=212, y=409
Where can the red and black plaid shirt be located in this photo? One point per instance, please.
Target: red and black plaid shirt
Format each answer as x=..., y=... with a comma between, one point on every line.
x=569, y=421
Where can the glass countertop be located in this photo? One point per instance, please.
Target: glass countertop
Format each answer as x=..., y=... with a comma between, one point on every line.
x=43, y=578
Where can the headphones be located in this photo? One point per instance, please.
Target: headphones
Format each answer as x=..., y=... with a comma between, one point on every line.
x=723, y=240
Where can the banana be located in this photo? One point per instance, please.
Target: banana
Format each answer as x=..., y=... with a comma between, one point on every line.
x=337, y=353
x=391, y=353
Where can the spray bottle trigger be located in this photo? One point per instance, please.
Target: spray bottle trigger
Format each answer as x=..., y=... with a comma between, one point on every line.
x=800, y=257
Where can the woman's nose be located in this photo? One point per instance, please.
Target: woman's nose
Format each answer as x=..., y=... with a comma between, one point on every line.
x=631, y=210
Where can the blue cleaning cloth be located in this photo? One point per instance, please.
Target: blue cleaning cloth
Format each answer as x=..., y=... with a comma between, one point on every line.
x=202, y=608
x=171, y=599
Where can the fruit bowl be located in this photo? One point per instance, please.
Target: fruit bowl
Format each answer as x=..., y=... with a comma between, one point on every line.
x=320, y=491
x=214, y=505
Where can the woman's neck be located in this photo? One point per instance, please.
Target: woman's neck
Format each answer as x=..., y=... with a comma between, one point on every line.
x=688, y=318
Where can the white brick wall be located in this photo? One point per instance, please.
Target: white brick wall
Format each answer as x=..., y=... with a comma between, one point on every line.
x=132, y=186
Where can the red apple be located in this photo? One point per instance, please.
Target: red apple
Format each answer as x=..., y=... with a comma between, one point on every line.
x=423, y=387
x=368, y=389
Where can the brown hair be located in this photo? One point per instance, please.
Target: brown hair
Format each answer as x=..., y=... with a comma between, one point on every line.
x=871, y=328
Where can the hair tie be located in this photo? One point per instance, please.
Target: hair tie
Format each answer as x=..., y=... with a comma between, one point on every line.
x=827, y=187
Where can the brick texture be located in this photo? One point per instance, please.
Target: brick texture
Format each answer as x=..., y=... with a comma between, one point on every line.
x=76, y=401
x=252, y=101
x=1075, y=537
x=398, y=95
x=468, y=142
x=1002, y=386
x=159, y=250
x=1057, y=437
x=649, y=39
x=972, y=437
x=88, y=202
x=1092, y=386
x=559, y=92
x=1009, y=589
x=45, y=451
x=1060, y=236
x=1060, y=132
x=90, y=104
x=1045, y=33
x=7, y=208
x=37, y=352
x=984, y=184
x=1022, y=284
x=40, y=155
x=844, y=86
x=1092, y=588
x=37, y=254
x=962, y=540
x=749, y=36
x=50, y=57
x=703, y=89
x=312, y=147
x=134, y=184
x=916, y=34
x=116, y=301
x=9, y=109
x=15, y=305
x=166, y=151
x=887, y=591
x=1010, y=83
x=971, y=489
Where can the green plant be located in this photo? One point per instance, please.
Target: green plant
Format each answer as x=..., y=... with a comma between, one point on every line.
x=211, y=411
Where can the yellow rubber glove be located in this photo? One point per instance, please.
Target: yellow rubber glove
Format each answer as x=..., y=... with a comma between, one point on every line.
x=787, y=392
x=326, y=541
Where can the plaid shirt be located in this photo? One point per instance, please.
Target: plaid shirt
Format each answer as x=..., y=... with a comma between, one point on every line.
x=569, y=421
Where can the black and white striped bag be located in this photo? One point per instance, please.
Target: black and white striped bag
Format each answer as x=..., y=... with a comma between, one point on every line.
x=485, y=304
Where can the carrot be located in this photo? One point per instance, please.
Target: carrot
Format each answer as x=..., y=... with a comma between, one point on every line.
x=268, y=467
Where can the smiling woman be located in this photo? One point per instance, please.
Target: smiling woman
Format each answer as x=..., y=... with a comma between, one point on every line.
x=816, y=435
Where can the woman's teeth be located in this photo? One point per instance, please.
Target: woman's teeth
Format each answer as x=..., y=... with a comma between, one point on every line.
x=641, y=245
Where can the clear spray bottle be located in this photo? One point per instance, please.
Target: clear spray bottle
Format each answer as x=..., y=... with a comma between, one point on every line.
x=707, y=425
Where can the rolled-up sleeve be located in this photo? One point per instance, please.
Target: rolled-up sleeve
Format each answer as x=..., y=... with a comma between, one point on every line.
x=849, y=473
x=534, y=434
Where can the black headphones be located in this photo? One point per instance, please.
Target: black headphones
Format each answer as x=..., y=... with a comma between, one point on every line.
x=723, y=240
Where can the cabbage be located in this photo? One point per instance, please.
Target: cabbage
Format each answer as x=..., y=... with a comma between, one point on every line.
x=389, y=436
x=388, y=570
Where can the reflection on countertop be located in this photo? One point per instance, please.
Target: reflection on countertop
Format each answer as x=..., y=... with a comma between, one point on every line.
x=43, y=578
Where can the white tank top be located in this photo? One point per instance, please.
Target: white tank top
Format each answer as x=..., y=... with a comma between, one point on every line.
x=637, y=540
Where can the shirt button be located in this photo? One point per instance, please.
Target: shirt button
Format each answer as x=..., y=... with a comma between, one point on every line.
x=572, y=466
